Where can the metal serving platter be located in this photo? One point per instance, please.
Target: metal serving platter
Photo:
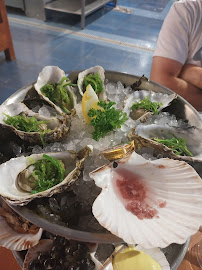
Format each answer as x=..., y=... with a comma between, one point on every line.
x=180, y=108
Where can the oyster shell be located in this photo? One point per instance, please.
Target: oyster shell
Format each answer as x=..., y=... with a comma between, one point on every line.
x=143, y=136
x=53, y=74
x=150, y=203
x=12, y=169
x=59, y=126
x=141, y=114
x=155, y=253
x=94, y=70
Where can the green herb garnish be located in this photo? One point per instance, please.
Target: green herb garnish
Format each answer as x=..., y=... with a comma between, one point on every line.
x=28, y=124
x=106, y=120
x=147, y=105
x=95, y=81
x=178, y=146
x=59, y=95
x=47, y=173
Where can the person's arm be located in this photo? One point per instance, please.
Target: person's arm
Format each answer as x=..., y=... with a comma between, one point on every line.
x=192, y=74
x=166, y=71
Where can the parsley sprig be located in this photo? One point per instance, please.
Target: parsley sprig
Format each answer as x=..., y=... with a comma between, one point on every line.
x=59, y=95
x=178, y=146
x=47, y=173
x=147, y=105
x=106, y=119
x=95, y=81
x=28, y=124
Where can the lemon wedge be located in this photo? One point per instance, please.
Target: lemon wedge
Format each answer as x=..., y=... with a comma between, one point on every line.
x=89, y=100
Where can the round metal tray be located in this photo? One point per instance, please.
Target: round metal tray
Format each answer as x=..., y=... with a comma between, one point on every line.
x=180, y=107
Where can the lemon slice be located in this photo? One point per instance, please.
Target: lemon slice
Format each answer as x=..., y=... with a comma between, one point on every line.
x=89, y=100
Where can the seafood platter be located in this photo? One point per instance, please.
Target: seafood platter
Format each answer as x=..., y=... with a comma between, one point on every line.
x=99, y=170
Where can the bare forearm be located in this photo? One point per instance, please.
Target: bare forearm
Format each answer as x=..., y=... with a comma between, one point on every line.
x=188, y=91
x=192, y=74
x=167, y=72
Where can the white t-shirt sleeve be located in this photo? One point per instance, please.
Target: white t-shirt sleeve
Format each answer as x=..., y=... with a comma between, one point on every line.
x=173, y=38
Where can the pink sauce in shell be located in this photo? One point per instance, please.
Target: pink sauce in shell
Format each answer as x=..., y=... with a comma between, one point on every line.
x=134, y=194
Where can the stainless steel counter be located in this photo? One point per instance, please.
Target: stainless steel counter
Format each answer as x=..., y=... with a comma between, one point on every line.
x=36, y=9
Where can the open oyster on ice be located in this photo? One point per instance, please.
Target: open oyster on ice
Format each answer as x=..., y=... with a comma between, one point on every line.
x=33, y=127
x=140, y=105
x=179, y=142
x=40, y=175
x=95, y=77
x=54, y=87
x=150, y=203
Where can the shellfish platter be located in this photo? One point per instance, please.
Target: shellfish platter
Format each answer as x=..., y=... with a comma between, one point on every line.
x=101, y=157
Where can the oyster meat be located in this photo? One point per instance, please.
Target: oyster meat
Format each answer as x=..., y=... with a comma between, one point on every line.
x=146, y=202
x=15, y=175
x=54, y=77
x=53, y=128
x=142, y=114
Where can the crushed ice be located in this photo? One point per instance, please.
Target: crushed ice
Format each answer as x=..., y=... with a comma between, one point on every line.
x=80, y=133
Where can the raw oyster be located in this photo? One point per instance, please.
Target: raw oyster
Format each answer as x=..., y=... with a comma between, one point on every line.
x=58, y=126
x=155, y=253
x=141, y=114
x=54, y=75
x=92, y=70
x=13, y=171
x=158, y=201
x=143, y=136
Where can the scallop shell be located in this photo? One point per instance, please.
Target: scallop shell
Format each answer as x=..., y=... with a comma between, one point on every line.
x=94, y=70
x=191, y=134
x=16, y=241
x=165, y=99
x=155, y=253
x=58, y=126
x=10, y=170
x=168, y=209
x=51, y=74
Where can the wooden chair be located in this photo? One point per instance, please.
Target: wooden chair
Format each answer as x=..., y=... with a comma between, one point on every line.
x=6, y=43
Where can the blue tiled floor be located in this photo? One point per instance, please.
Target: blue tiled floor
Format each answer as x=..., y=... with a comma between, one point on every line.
x=156, y=6
x=112, y=38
